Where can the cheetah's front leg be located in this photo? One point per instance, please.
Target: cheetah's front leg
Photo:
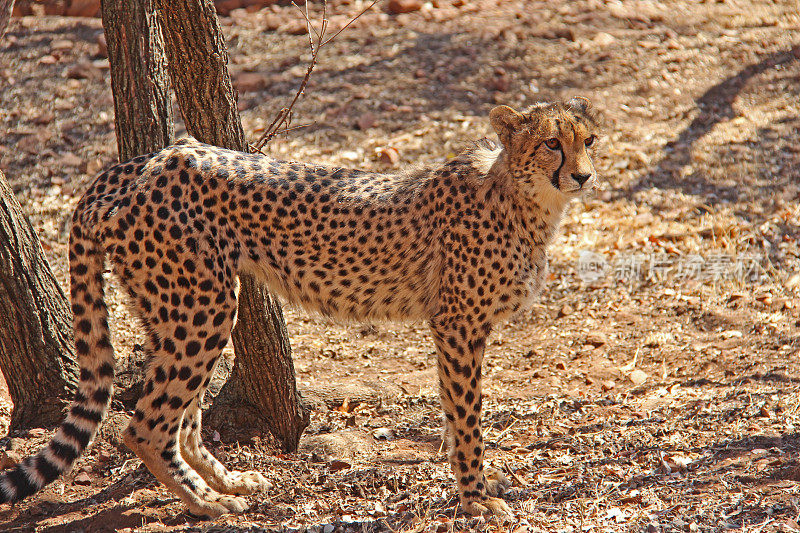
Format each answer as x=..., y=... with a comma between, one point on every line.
x=460, y=346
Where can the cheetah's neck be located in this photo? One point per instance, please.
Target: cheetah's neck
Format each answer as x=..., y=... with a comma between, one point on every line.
x=537, y=214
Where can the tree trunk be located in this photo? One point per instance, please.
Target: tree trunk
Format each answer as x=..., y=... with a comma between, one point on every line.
x=261, y=393
x=142, y=112
x=139, y=80
x=5, y=13
x=36, y=351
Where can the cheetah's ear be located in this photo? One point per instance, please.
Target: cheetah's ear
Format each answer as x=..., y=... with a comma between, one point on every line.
x=582, y=106
x=505, y=121
x=579, y=104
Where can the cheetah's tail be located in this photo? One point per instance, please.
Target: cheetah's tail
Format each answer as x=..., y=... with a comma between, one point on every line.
x=96, y=358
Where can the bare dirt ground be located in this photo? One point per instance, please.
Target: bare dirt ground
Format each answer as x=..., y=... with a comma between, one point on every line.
x=664, y=396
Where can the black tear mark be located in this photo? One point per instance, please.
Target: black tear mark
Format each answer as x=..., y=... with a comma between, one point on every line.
x=554, y=180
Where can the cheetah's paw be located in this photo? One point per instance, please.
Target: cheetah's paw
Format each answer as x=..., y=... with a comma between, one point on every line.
x=496, y=482
x=490, y=506
x=249, y=482
x=222, y=504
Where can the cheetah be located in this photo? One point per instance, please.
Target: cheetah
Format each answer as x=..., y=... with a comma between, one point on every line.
x=461, y=246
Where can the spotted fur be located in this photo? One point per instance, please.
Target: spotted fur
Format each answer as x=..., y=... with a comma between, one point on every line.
x=461, y=246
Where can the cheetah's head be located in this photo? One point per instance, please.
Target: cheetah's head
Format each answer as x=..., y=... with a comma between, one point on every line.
x=547, y=146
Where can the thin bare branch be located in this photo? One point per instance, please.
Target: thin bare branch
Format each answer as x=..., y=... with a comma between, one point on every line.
x=282, y=121
x=351, y=21
x=297, y=127
x=309, y=24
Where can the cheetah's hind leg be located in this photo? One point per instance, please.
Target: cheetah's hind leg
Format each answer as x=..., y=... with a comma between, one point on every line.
x=182, y=354
x=216, y=475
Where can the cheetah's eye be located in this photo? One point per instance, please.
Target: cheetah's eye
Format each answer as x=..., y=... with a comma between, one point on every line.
x=553, y=144
x=589, y=140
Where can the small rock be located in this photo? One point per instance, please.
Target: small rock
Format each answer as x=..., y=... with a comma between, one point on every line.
x=603, y=39
x=383, y=434
x=793, y=282
x=764, y=297
x=607, y=385
x=395, y=7
x=71, y=160
x=350, y=155
x=104, y=456
x=62, y=44
x=596, y=339
x=9, y=459
x=247, y=82
x=657, y=338
x=224, y=7
x=93, y=166
x=83, y=479
x=36, y=432
x=271, y=22
x=49, y=59
x=564, y=33
x=337, y=465
x=389, y=155
x=83, y=71
x=365, y=121
x=565, y=310
x=83, y=8
x=44, y=118
x=295, y=27
x=638, y=159
x=501, y=81
x=638, y=377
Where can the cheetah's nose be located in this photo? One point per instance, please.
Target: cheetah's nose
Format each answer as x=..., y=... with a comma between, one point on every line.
x=581, y=178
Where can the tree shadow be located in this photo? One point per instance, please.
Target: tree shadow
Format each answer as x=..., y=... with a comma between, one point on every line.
x=735, y=447
x=716, y=106
x=443, y=71
x=108, y=519
x=25, y=38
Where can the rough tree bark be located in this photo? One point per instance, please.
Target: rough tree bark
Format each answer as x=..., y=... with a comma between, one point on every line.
x=5, y=13
x=36, y=352
x=261, y=393
x=142, y=112
x=139, y=79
